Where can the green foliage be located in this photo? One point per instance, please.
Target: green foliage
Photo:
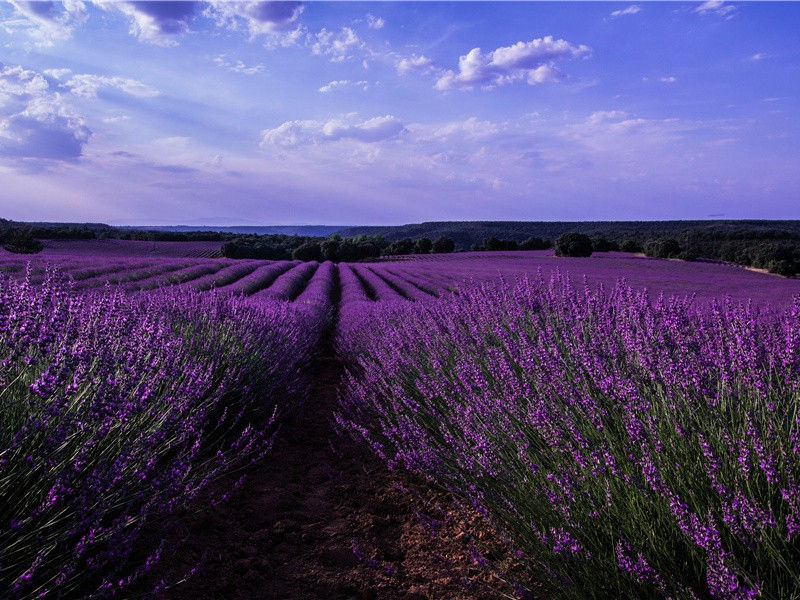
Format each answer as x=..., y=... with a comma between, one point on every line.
x=662, y=248
x=443, y=245
x=307, y=251
x=573, y=244
x=423, y=246
x=630, y=246
x=601, y=244
x=21, y=241
x=536, y=243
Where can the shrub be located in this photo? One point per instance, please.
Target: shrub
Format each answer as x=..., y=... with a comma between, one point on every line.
x=662, y=248
x=423, y=246
x=22, y=242
x=536, y=243
x=400, y=247
x=443, y=245
x=330, y=249
x=307, y=252
x=601, y=244
x=630, y=246
x=573, y=244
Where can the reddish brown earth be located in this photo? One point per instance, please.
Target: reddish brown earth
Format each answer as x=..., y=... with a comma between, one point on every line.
x=320, y=517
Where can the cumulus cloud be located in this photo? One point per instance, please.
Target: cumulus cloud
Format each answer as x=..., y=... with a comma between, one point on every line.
x=279, y=21
x=57, y=73
x=531, y=61
x=47, y=22
x=471, y=128
x=34, y=123
x=419, y=63
x=717, y=7
x=668, y=79
x=343, y=83
x=292, y=134
x=630, y=10
x=87, y=86
x=157, y=22
x=336, y=46
x=237, y=66
x=375, y=22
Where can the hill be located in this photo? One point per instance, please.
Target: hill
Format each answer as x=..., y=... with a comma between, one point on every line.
x=466, y=233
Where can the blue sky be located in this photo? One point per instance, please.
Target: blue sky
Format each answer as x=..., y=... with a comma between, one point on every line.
x=368, y=113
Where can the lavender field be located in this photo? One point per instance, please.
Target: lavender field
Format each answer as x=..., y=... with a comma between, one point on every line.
x=625, y=426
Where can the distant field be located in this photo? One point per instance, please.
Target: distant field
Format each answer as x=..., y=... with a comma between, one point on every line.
x=147, y=265
x=123, y=248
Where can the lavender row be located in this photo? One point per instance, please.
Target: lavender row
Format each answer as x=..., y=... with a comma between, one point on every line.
x=375, y=285
x=404, y=287
x=260, y=278
x=118, y=409
x=622, y=446
x=289, y=284
x=424, y=290
x=320, y=288
x=229, y=274
x=352, y=290
x=135, y=272
x=176, y=277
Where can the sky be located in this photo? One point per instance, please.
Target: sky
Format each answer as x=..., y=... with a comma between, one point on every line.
x=356, y=113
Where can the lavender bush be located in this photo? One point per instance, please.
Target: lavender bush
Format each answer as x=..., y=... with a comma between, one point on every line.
x=115, y=409
x=624, y=447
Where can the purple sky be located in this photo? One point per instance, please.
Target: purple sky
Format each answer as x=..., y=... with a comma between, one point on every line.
x=381, y=113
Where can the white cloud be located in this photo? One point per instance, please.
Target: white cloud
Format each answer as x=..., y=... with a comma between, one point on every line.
x=471, y=128
x=47, y=22
x=337, y=46
x=343, y=83
x=34, y=122
x=375, y=22
x=158, y=23
x=237, y=66
x=668, y=79
x=87, y=86
x=292, y=134
x=57, y=73
x=373, y=130
x=414, y=63
x=116, y=119
x=278, y=21
x=759, y=56
x=630, y=10
x=531, y=61
x=717, y=7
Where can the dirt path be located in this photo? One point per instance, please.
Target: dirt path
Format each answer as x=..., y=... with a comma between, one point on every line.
x=323, y=518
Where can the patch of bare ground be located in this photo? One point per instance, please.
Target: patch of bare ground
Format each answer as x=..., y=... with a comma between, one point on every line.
x=321, y=517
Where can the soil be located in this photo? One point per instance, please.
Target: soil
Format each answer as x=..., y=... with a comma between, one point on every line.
x=321, y=517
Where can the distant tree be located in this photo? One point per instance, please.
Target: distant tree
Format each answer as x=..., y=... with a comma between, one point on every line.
x=443, y=245
x=399, y=247
x=20, y=241
x=476, y=248
x=536, y=243
x=662, y=248
x=330, y=248
x=368, y=249
x=601, y=244
x=787, y=268
x=573, y=244
x=491, y=243
x=630, y=246
x=423, y=246
x=307, y=251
